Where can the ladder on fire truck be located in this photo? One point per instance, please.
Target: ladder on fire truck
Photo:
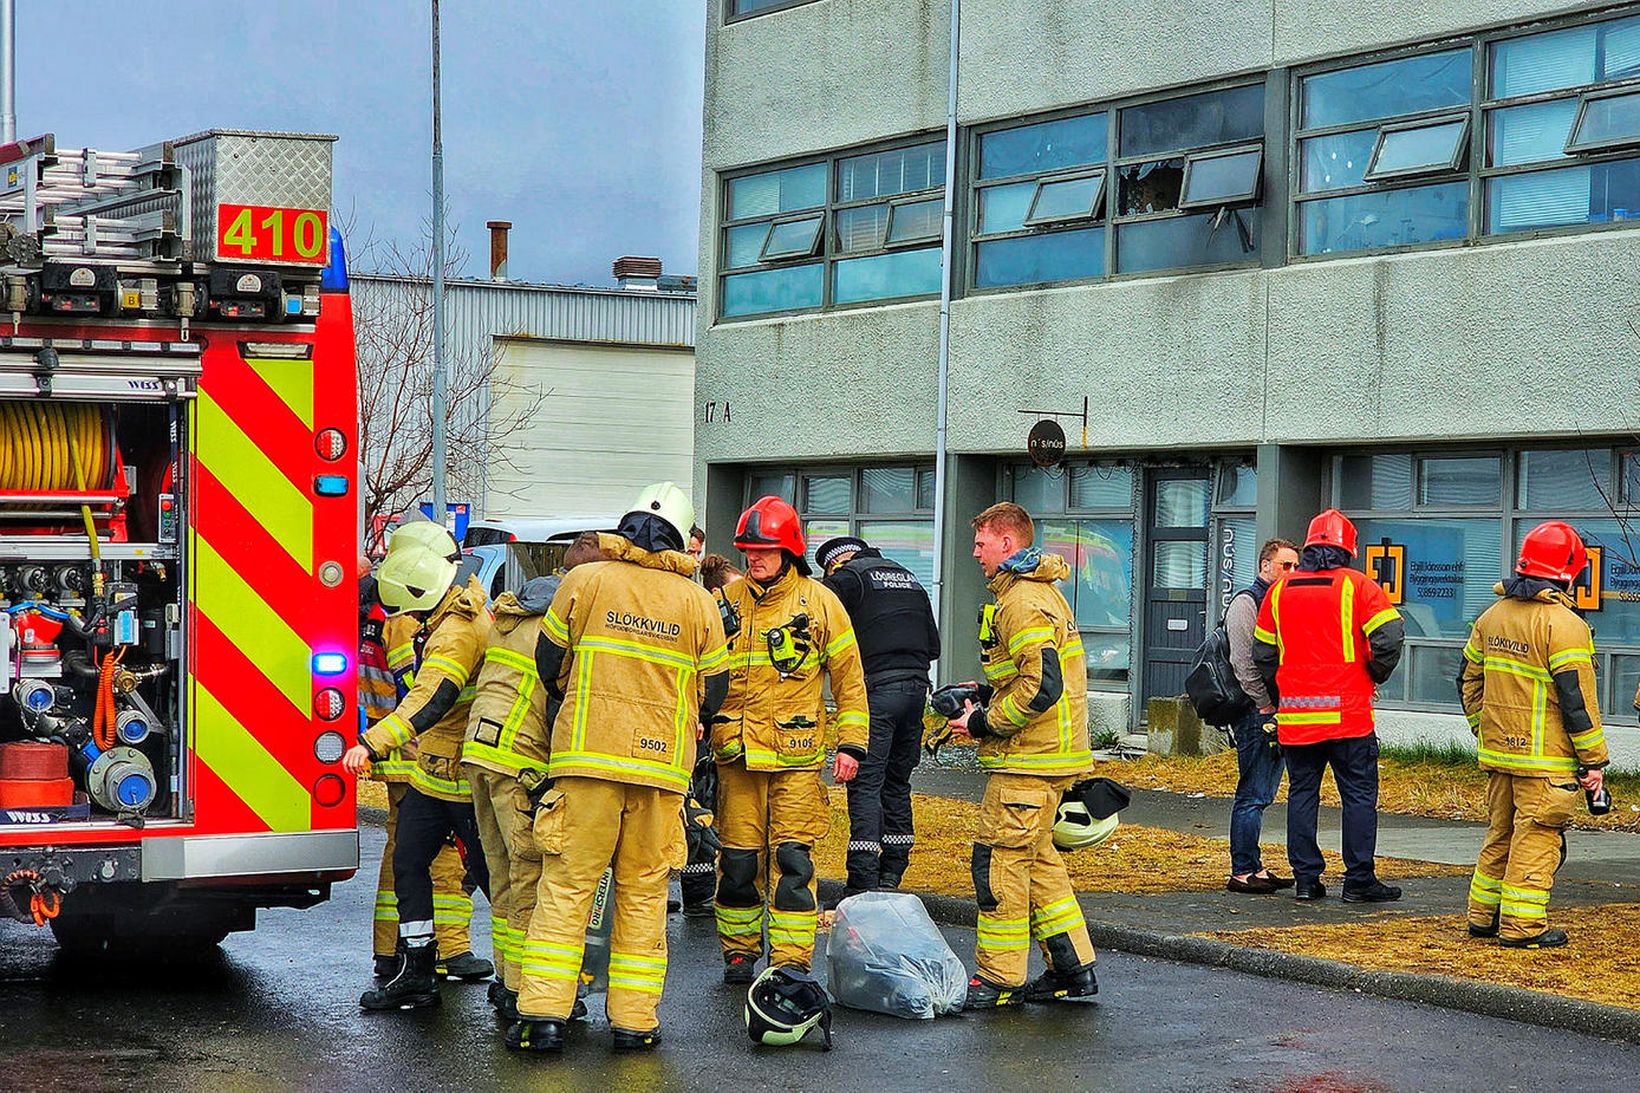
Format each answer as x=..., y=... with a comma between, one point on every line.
x=88, y=205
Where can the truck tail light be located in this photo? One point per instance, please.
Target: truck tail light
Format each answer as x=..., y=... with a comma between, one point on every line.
x=329, y=791
x=329, y=704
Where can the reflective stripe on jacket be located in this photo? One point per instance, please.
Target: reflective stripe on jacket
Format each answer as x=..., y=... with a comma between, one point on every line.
x=1331, y=637
x=775, y=715
x=506, y=728
x=641, y=640
x=434, y=712
x=1034, y=662
x=399, y=634
x=1528, y=687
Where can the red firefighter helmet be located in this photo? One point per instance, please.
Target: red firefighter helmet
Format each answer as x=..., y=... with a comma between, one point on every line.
x=1331, y=528
x=770, y=524
x=1552, y=550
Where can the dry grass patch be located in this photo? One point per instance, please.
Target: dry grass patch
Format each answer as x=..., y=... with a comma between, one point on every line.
x=1602, y=963
x=1416, y=787
x=1137, y=860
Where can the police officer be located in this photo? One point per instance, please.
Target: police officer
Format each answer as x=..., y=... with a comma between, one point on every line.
x=437, y=803
x=1033, y=741
x=637, y=650
x=769, y=742
x=898, y=641
x=1528, y=688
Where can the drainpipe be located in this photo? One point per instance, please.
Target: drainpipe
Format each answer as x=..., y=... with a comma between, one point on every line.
x=8, y=71
x=947, y=275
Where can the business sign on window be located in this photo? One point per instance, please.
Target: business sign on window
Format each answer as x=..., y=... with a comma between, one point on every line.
x=1387, y=564
x=1586, y=589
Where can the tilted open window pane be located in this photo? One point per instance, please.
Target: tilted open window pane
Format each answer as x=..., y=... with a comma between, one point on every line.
x=1062, y=200
x=777, y=191
x=1606, y=121
x=744, y=245
x=792, y=239
x=1595, y=194
x=860, y=230
x=788, y=289
x=897, y=171
x=1194, y=121
x=1383, y=90
x=1530, y=133
x=914, y=221
x=1392, y=218
x=1221, y=178
x=1046, y=146
x=1418, y=149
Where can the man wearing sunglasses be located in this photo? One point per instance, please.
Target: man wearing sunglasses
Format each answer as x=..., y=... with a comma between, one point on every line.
x=1258, y=756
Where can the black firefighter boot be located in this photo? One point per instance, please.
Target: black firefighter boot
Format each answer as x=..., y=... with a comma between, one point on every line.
x=412, y=986
x=1076, y=983
x=545, y=1034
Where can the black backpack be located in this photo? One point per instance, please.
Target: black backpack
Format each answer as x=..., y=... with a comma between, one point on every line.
x=1211, y=685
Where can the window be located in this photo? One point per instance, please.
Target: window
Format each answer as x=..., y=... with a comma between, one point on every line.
x=1565, y=479
x=890, y=507
x=847, y=230
x=1381, y=152
x=1022, y=238
x=1235, y=529
x=1561, y=132
x=742, y=9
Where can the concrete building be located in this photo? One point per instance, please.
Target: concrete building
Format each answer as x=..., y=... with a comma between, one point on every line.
x=1290, y=253
x=576, y=397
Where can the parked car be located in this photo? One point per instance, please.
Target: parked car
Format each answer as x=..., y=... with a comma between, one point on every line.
x=510, y=552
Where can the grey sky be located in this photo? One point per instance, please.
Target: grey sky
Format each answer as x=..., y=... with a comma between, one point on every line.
x=579, y=122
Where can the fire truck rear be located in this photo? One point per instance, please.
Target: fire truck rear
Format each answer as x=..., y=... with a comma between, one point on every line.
x=178, y=535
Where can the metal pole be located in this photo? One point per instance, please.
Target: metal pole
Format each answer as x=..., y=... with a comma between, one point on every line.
x=440, y=396
x=947, y=237
x=8, y=71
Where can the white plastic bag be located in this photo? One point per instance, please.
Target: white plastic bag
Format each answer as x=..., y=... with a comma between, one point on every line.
x=886, y=955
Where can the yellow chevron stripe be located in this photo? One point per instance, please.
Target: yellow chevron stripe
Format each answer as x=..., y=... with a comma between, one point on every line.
x=247, y=473
x=245, y=766
x=292, y=381
x=246, y=620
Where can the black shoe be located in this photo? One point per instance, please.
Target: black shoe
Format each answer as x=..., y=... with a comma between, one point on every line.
x=413, y=986
x=495, y=992
x=1074, y=986
x=698, y=910
x=1274, y=881
x=386, y=967
x=673, y=906
x=738, y=969
x=1376, y=892
x=985, y=995
x=578, y=1012
x=627, y=1040
x=465, y=967
x=1252, y=886
x=1548, y=939
x=506, y=1006
x=1309, y=890
x=546, y=1035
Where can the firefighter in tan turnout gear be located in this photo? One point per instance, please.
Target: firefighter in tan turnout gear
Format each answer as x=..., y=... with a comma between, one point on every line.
x=637, y=649
x=1528, y=688
x=505, y=755
x=769, y=742
x=1033, y=739
x=402, y=636
x=437, y=803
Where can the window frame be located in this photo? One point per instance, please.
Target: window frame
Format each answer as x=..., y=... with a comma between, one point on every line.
x=730, y=16
x=1584, y=149
x=856, y=514
x=1460, y=149
x=890, y=243
x=1095, y=211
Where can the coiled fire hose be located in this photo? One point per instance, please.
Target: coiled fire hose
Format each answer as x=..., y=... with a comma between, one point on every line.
x=54, y=446
x=44, y=903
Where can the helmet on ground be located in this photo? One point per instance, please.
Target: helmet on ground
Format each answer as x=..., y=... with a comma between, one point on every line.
x=770, y=524
x=426, y=535
x=1074, y=827
x=1331, y=528
x=671, y=504
x=1552, y=550
x=414, y=579
x=784, y=1004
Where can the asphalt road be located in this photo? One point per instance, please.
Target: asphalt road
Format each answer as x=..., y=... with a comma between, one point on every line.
x=277, y=1009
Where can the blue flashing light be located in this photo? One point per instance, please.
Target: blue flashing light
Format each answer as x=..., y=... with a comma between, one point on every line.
x=333, y=278
x=329, y=664
x=330, y=485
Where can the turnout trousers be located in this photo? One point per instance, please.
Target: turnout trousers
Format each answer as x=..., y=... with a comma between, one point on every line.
x=503, y=812
x=769, y=823
x=1526, y=818
x=452, y=900
x=1020, y=882
x=583, y=827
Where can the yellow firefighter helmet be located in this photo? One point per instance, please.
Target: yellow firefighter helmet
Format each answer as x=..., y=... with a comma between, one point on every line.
x=426, y=535
x=414, y=579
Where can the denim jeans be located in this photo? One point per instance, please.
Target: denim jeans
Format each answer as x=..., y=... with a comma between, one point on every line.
x=1260, y=778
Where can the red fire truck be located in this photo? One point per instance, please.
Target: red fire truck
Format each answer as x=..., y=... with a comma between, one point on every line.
x=178, y=537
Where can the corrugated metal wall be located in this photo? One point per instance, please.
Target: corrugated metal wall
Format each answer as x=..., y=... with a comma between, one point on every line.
x=477, y=312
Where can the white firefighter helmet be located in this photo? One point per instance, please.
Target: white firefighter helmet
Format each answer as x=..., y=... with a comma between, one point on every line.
x=424, y=534
x=414, y=579
x=1074, y=827
x=666, y=500
x=784, y=1005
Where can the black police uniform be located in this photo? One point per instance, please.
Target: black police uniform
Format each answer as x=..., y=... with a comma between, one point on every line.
x=894, y=624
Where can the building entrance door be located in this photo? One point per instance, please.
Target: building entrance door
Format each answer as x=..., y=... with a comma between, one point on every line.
x=1177, y=500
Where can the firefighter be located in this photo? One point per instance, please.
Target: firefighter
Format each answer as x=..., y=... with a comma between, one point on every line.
x=452, y=898
x=1033, y=741
x=637, y=650
x=1528, y=689
x=898, y=641
x=1326, y=636
x=437, y=803
x=769, y=742
x=505, y=755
